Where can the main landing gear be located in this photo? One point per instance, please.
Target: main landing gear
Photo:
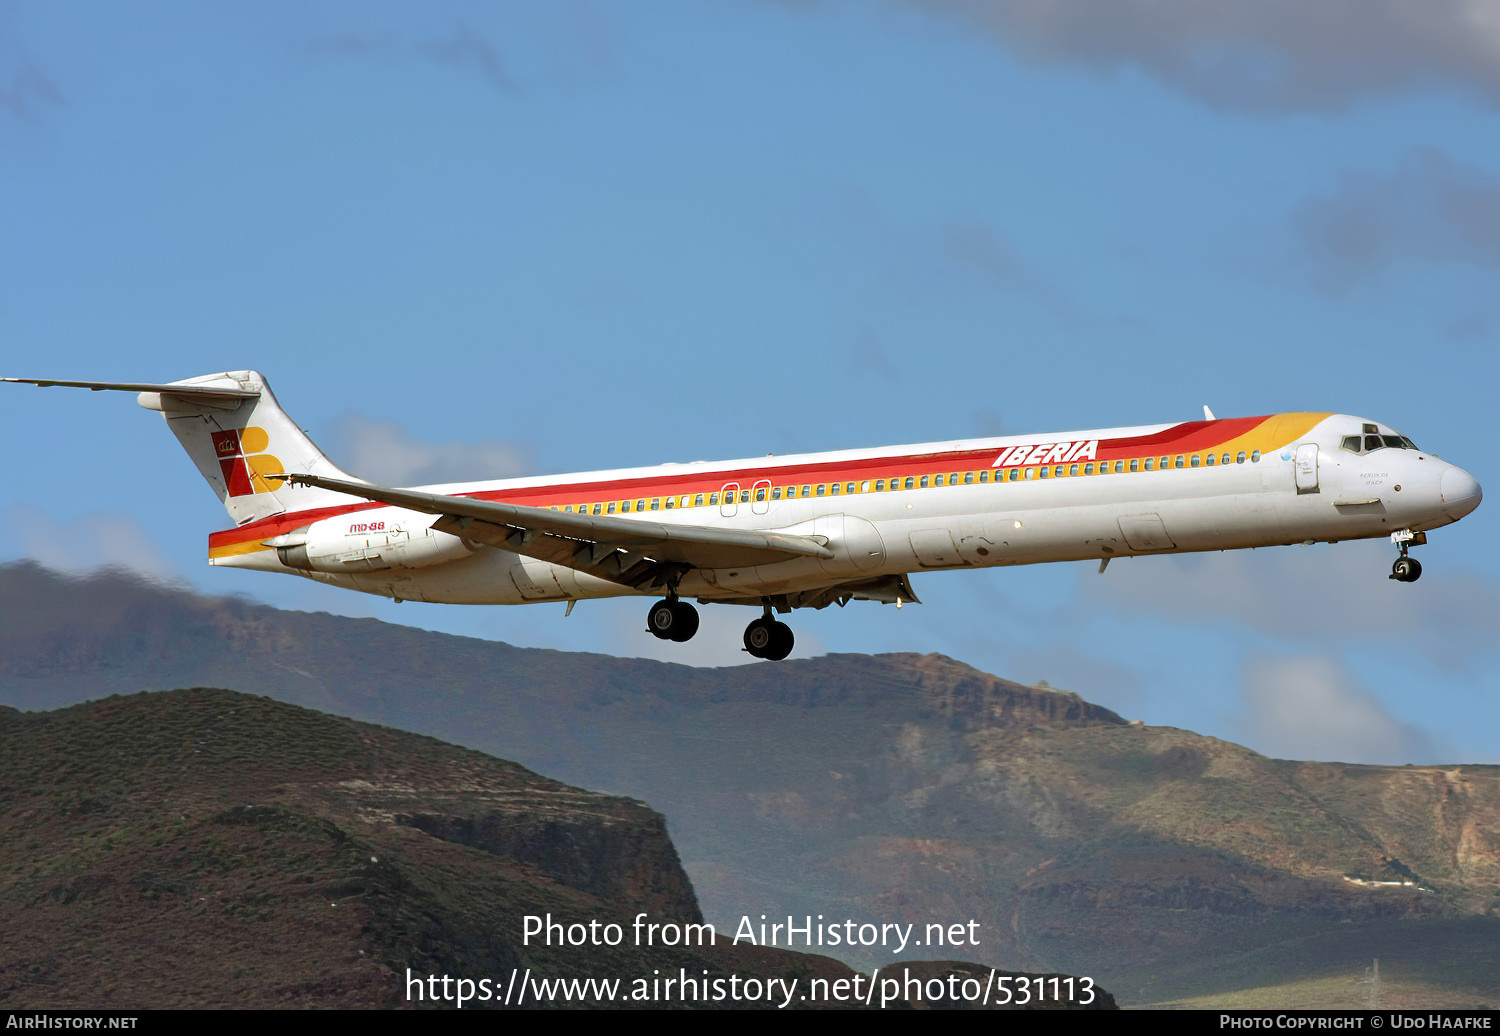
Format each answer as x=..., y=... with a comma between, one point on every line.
x=768, y=638
x=672, y=620
x=677, y=620
x=1407, y=569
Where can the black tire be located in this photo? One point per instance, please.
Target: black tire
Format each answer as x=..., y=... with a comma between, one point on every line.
x=662, y=620
x=759, y=636
x=1407, y=570
x=686, y=623
x=781, y=642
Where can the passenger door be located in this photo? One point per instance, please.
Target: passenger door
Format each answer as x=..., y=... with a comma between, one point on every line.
x=1306, y=464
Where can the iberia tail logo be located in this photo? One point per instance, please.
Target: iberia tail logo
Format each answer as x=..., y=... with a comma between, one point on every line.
x=244, y=466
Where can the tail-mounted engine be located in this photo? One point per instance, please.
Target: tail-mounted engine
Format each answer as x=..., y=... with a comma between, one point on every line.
x=360, y=543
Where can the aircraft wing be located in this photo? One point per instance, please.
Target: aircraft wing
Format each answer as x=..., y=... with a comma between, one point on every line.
x=633, y=552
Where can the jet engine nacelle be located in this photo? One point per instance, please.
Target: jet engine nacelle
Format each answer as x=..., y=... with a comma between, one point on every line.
x=362, y=543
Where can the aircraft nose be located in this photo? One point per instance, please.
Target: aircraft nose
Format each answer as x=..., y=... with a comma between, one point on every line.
x=1461, y=493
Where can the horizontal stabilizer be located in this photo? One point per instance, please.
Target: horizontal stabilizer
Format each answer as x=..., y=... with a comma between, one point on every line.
x=186, y=391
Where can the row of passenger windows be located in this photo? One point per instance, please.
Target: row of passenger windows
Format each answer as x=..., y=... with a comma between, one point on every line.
x=763, y=492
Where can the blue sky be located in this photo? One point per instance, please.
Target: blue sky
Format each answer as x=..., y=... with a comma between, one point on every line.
x=480, y=239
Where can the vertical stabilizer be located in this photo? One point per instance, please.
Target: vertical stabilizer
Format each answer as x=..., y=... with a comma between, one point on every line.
x=238, y=436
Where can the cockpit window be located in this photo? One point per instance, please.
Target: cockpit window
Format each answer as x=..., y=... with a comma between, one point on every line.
x=1370, y=442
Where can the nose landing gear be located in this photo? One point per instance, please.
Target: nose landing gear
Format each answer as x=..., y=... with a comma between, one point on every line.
x=1407, y=569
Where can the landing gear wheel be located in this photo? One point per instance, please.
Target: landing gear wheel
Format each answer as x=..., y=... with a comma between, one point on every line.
x=1406, y=570
x=672, y=620
x=769, y=639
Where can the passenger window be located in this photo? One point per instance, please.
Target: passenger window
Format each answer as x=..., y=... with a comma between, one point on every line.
x=698, y=500
x=1088, y=469
x=760, y=496
x=569, y=508
x=822, y=488
x=611, y=508
x=1120, y=467
x=937, y=480
x=776, y=493
x=880, y=485
x=744, y=496
x=1209, y=460
x=1045, y=472
x=968, y=478
x=864, y=487
x=923, y=481
x=1194, y=463
x=1241, y=458
x=953, y=479
x=1254, y=456
x=1073, y=470
x=849, y=488
x=656, y=504
x=807, y=490
x=596, y=508
x=1149, y=464
x=836, y=488
x=984, y=476
x=910, y=482
x=671, y=502
x=713, y=500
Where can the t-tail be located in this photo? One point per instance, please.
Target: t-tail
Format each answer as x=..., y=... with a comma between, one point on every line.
x=238, y=436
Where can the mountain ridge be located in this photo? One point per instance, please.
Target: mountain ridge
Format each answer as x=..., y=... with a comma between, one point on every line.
x=903, y=786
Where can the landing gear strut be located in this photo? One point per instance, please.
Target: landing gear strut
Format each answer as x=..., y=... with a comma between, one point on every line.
x=672, y=620
x=769, y=639
x=1407, y=569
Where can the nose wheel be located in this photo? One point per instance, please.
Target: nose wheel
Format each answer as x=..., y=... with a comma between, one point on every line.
x=769, y=639
x=1406, y=570
x=672, y=620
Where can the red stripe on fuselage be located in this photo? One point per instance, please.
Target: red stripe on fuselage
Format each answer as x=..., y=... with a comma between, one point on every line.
x=1187, y=437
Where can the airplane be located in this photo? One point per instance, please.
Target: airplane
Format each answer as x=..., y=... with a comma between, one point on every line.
x=782, y=533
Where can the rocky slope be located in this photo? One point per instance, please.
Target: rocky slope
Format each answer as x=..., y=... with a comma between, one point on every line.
x=892, y=788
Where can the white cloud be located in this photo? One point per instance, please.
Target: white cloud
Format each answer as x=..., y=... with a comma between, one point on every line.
x=1339, y=592
x=383, y=451
x=1312, y=708
x=91, y=541
x=1064, y=667
x=1265, y=56
x=1429, y=208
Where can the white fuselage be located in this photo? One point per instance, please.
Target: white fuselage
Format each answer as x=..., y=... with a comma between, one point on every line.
x=1288, y=478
